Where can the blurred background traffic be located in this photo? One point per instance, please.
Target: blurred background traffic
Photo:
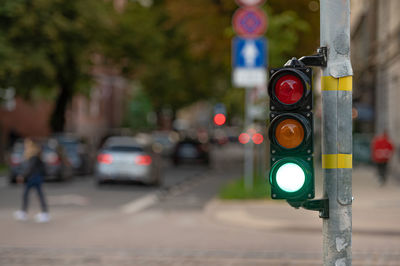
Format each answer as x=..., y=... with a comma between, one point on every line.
x=156, y=68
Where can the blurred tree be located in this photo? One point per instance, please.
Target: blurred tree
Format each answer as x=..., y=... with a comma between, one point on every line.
x=305, y=10
x=206, y=24
x=47, y=45
x=149, y=47
x=179, y=50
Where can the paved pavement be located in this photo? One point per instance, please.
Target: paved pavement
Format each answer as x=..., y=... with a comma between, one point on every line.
x=376, y=218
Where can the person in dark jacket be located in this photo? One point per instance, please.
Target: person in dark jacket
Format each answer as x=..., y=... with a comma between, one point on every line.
x=33, y=178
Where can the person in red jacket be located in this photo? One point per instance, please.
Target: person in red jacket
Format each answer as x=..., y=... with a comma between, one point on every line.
x=382, y=151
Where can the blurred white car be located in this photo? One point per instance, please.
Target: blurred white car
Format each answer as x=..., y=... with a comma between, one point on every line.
x=124, y=158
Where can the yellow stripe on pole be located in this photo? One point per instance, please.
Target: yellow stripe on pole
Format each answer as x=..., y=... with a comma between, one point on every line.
x=337, y=84
x=335, y=161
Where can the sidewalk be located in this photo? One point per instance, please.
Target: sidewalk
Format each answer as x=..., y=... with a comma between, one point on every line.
x=376, y=212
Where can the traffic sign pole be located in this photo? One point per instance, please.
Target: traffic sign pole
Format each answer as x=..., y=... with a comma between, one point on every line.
x=249, y=147
x=249, y=62
x=337, y=131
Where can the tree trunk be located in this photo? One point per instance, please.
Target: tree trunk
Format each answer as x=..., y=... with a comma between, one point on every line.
x=67, y=77
x=57, y=120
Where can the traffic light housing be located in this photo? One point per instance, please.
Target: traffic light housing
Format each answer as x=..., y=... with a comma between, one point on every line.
x=291, y=132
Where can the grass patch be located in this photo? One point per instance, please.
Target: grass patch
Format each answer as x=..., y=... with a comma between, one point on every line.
x=3, y=168
x=236, y=190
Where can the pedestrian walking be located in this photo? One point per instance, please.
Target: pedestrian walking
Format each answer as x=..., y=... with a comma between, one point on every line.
x=382, y=151
x=33, y=174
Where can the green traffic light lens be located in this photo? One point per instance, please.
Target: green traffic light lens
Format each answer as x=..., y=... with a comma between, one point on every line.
x=290, y=177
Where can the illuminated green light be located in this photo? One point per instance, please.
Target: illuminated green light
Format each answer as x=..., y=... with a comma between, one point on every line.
x=290, y=177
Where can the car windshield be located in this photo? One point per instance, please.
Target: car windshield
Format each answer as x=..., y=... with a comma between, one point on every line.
x=18, y=147
x=125, y=148
x=70, y=146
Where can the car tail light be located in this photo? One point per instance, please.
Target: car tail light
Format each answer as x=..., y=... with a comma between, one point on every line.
x=104, y=158
x=15, y=159
x=143, y=160
x=52, y=158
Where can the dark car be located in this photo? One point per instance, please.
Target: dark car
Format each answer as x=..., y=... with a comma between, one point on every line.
x=56, y=165
x=191, y=151
x=77, y=154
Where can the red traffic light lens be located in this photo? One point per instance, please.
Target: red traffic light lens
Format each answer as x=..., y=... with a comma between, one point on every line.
x=289, y=133
x=219, y=119
x=289, y=89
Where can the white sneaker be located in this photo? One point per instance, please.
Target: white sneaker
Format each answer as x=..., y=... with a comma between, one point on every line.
x=20, y=215
x=42, y=217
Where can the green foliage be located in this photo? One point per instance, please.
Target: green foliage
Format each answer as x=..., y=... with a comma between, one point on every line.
x=3, y=168
x=45, y=42
x=46, y=45
x=306, y=11
x=284, y=33
x=139, y=109
x=236, y=190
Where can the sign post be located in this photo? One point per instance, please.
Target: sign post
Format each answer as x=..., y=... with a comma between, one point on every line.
x=249, y=63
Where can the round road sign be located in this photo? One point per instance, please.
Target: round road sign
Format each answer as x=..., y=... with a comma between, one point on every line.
x=250, y=2
x=249, y=22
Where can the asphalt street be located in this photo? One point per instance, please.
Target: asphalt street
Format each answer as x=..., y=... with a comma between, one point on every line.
x=183, y=223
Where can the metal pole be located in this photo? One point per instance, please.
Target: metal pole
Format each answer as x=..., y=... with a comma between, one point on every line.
x=248, y=153
x=337, y=131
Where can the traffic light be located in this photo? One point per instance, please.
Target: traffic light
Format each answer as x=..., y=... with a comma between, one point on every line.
x=219, y=114
x=291, y=132
x=219, y=119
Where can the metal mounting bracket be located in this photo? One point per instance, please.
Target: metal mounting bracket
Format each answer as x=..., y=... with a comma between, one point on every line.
x=319, y=59
x=321, y=205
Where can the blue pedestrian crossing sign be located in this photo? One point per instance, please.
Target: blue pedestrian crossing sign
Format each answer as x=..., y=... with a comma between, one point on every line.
x=249, y=61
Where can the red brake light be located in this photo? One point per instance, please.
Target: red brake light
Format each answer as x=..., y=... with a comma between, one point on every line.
x=257, y=138
x=143, y=160
x=104, y=158
x=244, y=138
x=15, y=159
x=289, y=89
x=52, y=158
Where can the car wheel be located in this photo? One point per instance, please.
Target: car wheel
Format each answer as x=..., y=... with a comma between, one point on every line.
x=156, y=183
x=100, y=182
x=13, y=179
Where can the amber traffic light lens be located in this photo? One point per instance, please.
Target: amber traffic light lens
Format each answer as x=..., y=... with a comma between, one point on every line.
x=289, y=133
